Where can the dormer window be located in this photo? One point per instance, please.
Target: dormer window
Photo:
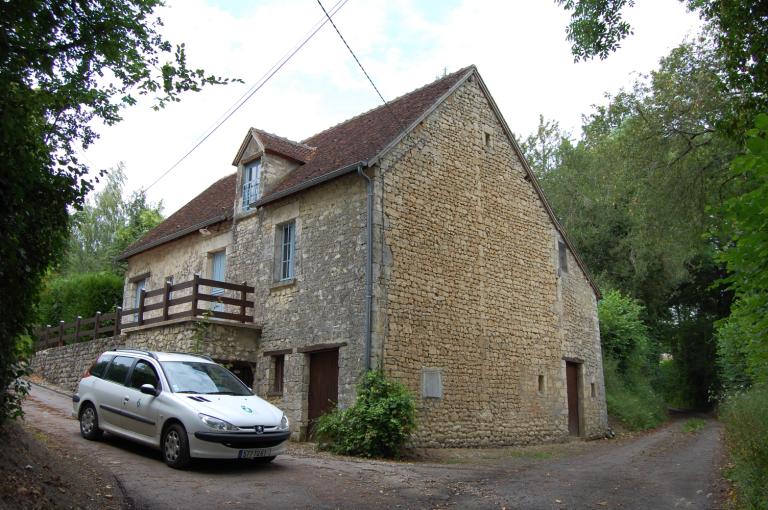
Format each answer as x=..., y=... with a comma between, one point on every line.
x=251, y=181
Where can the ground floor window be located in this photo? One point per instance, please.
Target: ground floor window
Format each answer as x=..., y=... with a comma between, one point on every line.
x=278, y=372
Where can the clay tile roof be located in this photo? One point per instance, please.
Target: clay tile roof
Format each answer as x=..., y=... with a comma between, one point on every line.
x=357, y=139
x=211, y=206
x=365, y=136
x=283, y=146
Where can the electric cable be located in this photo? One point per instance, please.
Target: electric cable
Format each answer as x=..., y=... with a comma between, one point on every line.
x=386, y=104
x=254, y=88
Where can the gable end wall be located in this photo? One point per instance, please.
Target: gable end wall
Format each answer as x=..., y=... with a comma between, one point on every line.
x=468, y=284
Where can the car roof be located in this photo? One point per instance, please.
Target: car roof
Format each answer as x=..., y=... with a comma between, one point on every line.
x=161, y=356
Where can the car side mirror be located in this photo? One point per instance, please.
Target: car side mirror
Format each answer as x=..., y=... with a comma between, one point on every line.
x=148, y=389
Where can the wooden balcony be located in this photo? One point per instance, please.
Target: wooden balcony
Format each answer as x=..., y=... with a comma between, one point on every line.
x=199, y=297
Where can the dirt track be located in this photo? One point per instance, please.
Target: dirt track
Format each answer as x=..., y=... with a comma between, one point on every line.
x=663, y=469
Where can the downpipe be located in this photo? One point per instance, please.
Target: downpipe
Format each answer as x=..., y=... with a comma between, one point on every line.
x=368, y=266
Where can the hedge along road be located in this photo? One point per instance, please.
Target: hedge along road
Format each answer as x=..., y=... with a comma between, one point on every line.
x=667, y=468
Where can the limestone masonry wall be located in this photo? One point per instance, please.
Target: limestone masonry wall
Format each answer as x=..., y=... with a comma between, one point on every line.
x=323, y=304
x=64, y=366
x=468, y=285
x=180, y=259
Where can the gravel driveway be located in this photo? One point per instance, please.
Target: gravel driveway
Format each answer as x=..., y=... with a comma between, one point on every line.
x=663, y=469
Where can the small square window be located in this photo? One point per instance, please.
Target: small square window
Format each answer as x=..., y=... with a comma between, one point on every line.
x=278, y=373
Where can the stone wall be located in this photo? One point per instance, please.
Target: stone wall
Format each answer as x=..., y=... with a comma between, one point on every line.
x=64, y=366
x=222, y=341
x=180, y=259
x=468, y=286
x=323, y=304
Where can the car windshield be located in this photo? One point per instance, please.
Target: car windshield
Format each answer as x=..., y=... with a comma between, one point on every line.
x=203, y=378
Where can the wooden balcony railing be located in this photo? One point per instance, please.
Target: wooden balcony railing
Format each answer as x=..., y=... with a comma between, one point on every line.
x=226, y=300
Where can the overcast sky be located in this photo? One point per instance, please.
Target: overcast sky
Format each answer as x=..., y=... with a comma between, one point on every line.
x=518, y=46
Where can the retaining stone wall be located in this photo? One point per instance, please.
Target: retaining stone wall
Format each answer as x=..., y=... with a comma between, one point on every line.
x=64, y=366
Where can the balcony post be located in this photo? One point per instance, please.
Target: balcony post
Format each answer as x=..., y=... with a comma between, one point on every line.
x=142, y=298
x=96, y=325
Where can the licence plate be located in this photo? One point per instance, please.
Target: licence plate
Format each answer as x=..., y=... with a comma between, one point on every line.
x=253, y=453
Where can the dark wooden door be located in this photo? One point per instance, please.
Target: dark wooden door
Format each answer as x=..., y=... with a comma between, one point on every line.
x=572, y=383
x=323, y=384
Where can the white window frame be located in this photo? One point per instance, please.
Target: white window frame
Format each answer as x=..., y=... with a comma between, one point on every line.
x=287, y=268
x=251, y=183
x=216, y=291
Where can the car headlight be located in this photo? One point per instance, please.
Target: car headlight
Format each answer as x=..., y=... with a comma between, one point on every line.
x=216, y=423
x=283, y=423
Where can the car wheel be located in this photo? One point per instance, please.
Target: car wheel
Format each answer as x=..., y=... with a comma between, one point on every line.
x=175, y=447
x=89, y=423
x=264, y=460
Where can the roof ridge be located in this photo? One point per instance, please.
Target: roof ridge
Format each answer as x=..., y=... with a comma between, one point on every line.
x=301, y=144
x=388, y=103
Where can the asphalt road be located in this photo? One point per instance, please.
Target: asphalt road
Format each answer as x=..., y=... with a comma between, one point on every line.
x=665, y=469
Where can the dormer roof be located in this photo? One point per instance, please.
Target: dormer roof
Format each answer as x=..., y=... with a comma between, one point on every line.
x=268, y=142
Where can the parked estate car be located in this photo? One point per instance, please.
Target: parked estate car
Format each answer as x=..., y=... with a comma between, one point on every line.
x=186, y=405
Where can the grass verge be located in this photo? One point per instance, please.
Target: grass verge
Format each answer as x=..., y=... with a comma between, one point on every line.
x=745, y=416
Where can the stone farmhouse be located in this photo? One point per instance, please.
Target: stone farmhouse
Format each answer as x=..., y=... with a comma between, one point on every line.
x=413, y=237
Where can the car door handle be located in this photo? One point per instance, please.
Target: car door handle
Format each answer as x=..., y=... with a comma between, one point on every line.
x=126, y=399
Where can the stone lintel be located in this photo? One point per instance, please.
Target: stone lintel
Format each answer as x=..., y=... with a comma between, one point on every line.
x=321, y=347
x=278, y=353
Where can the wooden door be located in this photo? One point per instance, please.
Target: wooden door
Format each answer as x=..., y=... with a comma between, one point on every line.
x=572, y=383
x=323, y=384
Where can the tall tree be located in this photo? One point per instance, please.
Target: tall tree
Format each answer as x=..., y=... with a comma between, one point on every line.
x=743, y=338
x=106, y=225
x=737, y=28
x=636, y=194
x=64, y=64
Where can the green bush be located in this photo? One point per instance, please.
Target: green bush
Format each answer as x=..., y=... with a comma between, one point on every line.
x=64, y=298
x=377, y=425
x=745, y=416
x=629, y=363
x=623, y=334
x=18, y=389
x=631, y=399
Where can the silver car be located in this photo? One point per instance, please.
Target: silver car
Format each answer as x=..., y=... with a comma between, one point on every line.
x=188, y=406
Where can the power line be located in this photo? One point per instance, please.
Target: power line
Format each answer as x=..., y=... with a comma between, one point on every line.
x=386, y=104
x=254, y=88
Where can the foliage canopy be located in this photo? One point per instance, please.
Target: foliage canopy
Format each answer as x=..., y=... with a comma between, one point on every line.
x=63, y=67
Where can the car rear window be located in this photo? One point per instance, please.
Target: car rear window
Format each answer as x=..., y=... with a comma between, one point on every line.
x=98, y=368
x=119, y=368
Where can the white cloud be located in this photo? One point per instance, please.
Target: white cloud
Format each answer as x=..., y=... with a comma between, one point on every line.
x=519, y=47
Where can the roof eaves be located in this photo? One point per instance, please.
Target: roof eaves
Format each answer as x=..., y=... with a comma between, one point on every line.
x=170, y=237
x=470, y=70
x=536, y=186
x=309, y=183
